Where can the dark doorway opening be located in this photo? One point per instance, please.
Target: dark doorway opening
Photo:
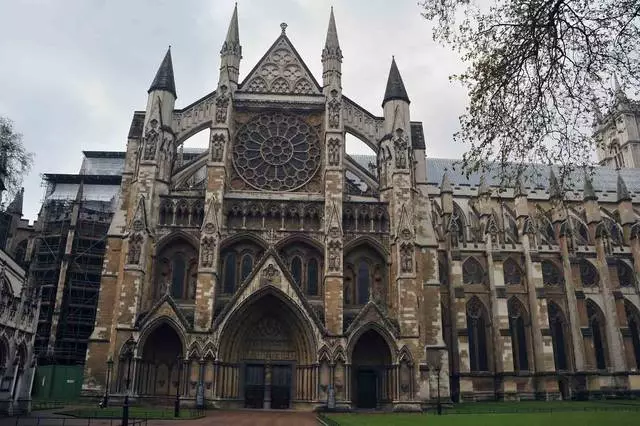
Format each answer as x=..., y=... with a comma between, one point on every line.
x=254, y=386
x=281, y=386
x=367, y=389
x=372, y=371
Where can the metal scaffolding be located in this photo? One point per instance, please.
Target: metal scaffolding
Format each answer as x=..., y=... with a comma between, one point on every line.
x=67, y=266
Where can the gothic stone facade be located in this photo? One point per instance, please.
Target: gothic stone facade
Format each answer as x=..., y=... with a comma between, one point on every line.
x=276, y=271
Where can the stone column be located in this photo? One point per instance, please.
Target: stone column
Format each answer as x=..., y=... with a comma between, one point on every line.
x=615, y=344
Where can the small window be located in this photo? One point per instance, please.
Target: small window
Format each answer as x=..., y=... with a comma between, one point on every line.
x=177, y=285
x=296, y=270
x=247, y=266
x=312, y=277
x=229, y=273
x=363, y=283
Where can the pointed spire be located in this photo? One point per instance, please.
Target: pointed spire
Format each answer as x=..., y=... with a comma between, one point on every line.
x=554, y=186
x=520, y=190
x=231, y=45
x=619, y=94
x=331, y=41
x=622, y=192
x=588, y=193
x=16, y=205
x=164, y=77
x=445, y=187
x=483, y=188
x=597, y=113
x=395, y=86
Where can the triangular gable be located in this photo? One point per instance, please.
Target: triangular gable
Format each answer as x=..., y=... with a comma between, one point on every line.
x=139, y=222
x=165, y=307
x=270, y=272
x=282, y=71
x=371, y=313
x=405, y=224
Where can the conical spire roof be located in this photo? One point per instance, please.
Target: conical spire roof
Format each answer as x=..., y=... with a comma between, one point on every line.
x=17, y=203
x=332, y=33
x=164, y=79
x=395, y=86
x=231, y=44
x=588, y=193
x=622, y=191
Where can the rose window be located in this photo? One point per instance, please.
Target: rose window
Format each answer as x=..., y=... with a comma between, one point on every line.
x=276, y=152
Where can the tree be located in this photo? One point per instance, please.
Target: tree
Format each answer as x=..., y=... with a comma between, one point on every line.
x=538, y=73
x=15, y=160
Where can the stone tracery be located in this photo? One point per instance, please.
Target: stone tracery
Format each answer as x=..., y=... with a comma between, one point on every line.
x=276, y=152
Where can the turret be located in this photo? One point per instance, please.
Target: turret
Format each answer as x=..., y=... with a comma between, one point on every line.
x=590, y=199
x=230, y=54
x=15, y=208
x=484, y=198
x=625, y=207
x=332, y=56
x=158, y=148
x=396, y=145
x=521, y=203
x=162, y=93
x=446, y=194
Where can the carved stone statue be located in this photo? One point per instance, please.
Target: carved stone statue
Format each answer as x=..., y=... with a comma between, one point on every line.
x=400, y=147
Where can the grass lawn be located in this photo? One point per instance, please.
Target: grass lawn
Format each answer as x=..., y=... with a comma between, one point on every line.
x=527, y=419
x=134, y=413
x=528, y=413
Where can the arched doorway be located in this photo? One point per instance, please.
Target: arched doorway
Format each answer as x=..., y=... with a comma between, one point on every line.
x=371, y=371
x=267, y=352
x=160, y=368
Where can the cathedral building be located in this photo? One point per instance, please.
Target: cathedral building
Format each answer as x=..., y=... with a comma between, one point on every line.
x=274, y=270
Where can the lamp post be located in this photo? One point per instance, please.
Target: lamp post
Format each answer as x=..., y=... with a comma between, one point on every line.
x=176, y=406
x=105, y=399
x=435, y=362
x=129, y=348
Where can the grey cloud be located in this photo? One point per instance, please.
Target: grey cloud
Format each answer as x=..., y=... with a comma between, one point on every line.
x=77, y=69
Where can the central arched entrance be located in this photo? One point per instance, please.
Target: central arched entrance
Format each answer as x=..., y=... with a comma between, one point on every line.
x=371, y=366
x=272, y=346
x=160, y=365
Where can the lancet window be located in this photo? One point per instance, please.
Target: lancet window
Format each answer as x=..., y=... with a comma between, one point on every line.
x=304, y=262
x=177, y=270
x=236, y=264
x=478, y=331
x=365, y=277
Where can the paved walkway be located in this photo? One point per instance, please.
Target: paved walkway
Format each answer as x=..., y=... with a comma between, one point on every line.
x=246, y=418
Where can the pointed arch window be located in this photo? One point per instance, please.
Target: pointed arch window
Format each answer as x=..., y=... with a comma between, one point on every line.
x=557, y=325
x=312, y=277
x=229, y=283
x=518, y=328
x=472, y=272
x=363, y=283
x=633, y=321
x=588, y=274
x=179, y=272
x=512, y=272
x=626, y=275
x=477, y=331
x=551, y=275
x=616, y=154
x=596, y=326
x=296, y=270
x=246, y=267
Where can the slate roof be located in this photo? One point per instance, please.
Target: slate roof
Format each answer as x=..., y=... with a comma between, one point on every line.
x=164, y=77
x=395, y=86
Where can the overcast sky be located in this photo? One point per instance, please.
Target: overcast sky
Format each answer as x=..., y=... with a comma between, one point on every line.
x=73, y=71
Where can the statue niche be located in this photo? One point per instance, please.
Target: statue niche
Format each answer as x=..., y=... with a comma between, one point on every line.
x=177, y=271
